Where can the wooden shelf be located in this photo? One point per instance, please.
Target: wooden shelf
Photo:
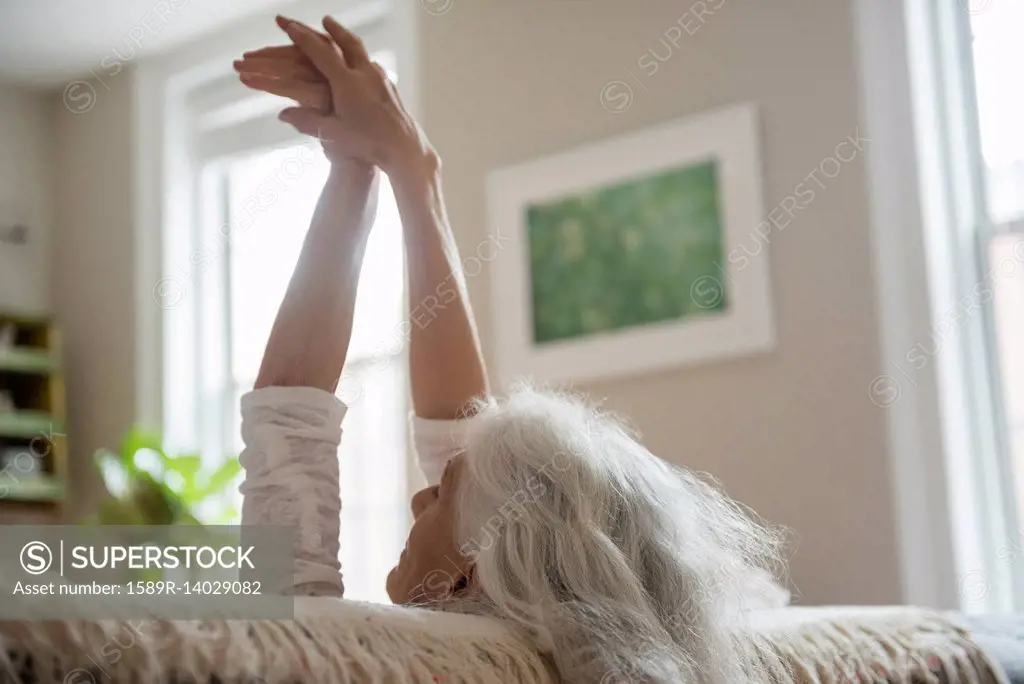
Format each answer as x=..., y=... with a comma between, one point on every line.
x=31, y=376
x=27, y=424
x=39, y=488
x=27, y=360
x=25, y=318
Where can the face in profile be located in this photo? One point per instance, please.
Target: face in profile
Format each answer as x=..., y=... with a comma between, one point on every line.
x=430, y=568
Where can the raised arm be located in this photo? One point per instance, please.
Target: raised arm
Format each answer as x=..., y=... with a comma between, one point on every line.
x=291, y=422
x=447, y=367
x=311, y=333
x=446, y=364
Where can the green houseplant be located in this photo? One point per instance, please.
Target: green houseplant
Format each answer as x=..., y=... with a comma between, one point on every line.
x=150, y=487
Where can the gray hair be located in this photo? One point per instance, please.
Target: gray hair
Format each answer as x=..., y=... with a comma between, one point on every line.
x=614, y=563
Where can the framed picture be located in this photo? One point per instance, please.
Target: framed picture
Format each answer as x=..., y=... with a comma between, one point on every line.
x=619, y=260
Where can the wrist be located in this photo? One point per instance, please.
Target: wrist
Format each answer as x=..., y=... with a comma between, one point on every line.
x=347, y=205
x=417, y=167
x=352, y=169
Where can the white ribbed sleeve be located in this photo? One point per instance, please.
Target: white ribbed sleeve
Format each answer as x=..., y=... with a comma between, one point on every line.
x=291, y=437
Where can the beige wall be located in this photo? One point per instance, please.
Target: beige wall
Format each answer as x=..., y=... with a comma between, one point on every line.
x=26, y=192
x=70, y=174
x=791, y=433
x=93, y=274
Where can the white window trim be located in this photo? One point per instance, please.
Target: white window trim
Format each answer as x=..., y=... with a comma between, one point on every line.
x=952, y=496
x=979, y=476
x=914, y=423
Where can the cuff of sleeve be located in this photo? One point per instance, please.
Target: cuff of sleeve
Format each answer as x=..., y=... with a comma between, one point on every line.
x=308, y=397
x=437, y=441
x=451, y=432
x=274, y=416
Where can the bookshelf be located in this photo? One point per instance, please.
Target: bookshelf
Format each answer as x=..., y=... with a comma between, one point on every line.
x=33, y=446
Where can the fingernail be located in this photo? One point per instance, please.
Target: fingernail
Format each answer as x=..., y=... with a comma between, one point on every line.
x=287, y=25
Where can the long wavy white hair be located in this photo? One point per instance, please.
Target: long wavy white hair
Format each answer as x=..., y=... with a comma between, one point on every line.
x=617, y=565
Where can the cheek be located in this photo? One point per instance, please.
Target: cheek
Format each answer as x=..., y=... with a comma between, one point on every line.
x=418, y=535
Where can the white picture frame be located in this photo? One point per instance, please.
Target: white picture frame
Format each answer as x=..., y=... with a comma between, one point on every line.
x=729, y=137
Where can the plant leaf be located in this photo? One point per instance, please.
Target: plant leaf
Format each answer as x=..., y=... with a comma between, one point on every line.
x=228, y=515
x=115, y=472
x=137, y=439
x=221, y=478
x=187, y=465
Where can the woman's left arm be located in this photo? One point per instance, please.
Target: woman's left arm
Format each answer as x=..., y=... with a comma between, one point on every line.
x=291, y=422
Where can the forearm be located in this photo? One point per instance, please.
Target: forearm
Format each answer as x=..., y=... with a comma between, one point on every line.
x=446, y=364
x=310, y=336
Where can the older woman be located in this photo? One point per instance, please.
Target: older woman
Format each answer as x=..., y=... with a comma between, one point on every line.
x=540, y=510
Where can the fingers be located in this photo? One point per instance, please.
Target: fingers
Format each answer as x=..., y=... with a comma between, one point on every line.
x=320, y=52
x=315, y=96
x=351, y=46
x=305, y=120
x=283, y=21
x=277, y=52
x=279, y=68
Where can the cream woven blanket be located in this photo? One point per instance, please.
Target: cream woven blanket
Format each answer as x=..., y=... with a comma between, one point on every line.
x=880, y=645
x=348, y=642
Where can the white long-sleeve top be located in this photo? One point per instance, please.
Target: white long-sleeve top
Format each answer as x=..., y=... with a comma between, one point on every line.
x=291, y=437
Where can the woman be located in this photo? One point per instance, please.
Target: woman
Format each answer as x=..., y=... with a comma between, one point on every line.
x=540, y=510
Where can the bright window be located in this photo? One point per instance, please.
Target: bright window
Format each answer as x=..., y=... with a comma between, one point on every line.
x=972, y=161
x=255, y=187
x=998, y=53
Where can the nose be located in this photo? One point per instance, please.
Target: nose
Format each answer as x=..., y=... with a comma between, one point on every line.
x=422, y=499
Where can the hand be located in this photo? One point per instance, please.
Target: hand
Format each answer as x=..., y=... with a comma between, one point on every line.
x=286, y=71
x=346, y=100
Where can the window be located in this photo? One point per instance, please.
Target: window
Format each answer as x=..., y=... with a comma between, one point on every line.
x=972, y=166
x=997, y=55
x=239, y=229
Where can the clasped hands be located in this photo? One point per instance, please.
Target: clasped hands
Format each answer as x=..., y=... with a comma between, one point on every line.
x=343, y=98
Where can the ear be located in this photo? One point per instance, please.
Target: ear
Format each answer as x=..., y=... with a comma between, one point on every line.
x=467, y=582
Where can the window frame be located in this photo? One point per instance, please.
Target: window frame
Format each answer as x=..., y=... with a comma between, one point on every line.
x=983, y=587
x=946, y=517
x=948, y=434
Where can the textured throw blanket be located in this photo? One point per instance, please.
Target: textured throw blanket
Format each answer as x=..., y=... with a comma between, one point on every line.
x=837, y=645
x=348, y=642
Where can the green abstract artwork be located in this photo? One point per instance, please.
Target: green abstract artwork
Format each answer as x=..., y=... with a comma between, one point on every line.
x=625, y=255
